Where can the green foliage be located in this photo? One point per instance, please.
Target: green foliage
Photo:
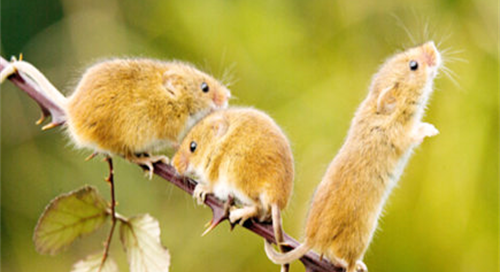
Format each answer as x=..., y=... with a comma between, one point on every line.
x=68, y=217
x=83, y=211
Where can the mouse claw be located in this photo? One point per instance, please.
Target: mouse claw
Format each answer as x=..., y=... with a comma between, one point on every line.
x=50, y=125
x=159, y=158
x=200, y=193
x=150, y=171
x=243, y=214
x=41, y=119
x=91, y=156
x=147, y=161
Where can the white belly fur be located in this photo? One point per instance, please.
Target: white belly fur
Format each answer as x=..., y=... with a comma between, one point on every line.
x=223, y=188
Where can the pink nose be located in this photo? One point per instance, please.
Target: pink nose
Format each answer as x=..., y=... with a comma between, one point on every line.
x=431, y=54
x=221, y=98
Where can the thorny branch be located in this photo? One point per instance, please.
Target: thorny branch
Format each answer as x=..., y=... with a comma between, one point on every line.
x=111, y=181
x=311, y=261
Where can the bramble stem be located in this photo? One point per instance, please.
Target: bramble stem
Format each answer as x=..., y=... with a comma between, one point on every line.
x=311, y=260
x=111, y=182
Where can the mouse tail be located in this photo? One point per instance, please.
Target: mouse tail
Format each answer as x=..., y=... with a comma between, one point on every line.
x=284, y=258
x=44, y=89
x=278, y=232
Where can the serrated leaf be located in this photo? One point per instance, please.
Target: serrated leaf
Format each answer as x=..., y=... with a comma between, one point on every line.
x=68, y=217
x=92, y=264
x=140, y=237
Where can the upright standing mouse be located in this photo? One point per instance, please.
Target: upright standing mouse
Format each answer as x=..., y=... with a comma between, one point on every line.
x=385, y=129
x=240, y=153
x=131, y=107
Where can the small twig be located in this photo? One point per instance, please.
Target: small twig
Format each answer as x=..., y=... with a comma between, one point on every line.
x=111, y=182
x=311, y=260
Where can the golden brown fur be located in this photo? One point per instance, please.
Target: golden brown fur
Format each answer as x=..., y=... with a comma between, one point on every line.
x=129, y=106
x=243, y=153
x=351, y=195
x=246, y=149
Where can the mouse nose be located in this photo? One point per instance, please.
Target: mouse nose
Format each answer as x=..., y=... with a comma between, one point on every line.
x=221, y=98
x=431, y=54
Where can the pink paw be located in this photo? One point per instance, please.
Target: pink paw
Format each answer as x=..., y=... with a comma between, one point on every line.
x=423, y=130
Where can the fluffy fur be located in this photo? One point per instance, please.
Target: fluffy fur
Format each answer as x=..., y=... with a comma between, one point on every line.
x=243, y=153
x=130, y=106
x=386, y=127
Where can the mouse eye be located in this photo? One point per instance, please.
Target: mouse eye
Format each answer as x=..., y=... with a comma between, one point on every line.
x=204, y=87
x=413, y=65
x=192, y=146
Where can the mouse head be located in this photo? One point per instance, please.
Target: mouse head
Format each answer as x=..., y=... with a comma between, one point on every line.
x=200, y=91
x=406, y=78
x=202, y=142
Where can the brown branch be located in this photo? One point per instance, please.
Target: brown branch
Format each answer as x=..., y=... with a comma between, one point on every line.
x=111, y=181
x=311, y=261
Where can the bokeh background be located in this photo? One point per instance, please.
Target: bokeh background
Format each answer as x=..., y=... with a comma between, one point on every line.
x=306, y=63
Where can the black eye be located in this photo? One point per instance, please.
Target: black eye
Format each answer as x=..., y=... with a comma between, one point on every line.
x=204, y=87
x=193, y=146
x=413, y=65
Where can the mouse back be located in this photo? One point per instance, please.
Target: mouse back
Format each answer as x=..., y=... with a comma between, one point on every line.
x=243, y=147
x=125, y=106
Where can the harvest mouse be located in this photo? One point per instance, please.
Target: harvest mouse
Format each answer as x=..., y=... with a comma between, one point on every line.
x=240, y=153
x=385, y=129
x=131, y=107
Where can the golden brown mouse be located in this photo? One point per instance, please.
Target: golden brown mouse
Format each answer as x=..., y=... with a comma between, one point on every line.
x=131, y=107
x=240, y=152
x=385, y=129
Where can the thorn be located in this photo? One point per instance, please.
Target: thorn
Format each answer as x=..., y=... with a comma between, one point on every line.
x=49, y=126
x=39, y=121
x=211, y=227
x=91, y=156
x=219, y=216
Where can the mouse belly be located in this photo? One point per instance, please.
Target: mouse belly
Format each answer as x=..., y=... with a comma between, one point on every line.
x=222, y=189
x=105, y=140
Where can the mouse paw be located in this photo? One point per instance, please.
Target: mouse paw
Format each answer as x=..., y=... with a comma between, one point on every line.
x=145, y=161
x=243, y=214
x=200, y=193
x=423, y=130
x=159, y=158
x=361, y=267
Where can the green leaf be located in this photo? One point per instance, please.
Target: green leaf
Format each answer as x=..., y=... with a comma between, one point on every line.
x=68, y=217
x=92, y=264
x=140, y=237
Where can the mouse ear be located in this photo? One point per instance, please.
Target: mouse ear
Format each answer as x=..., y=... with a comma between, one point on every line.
x=386, y=102
x=170, y=78
x=220, y=126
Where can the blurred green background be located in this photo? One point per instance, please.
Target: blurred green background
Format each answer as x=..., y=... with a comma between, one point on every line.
x=306, y=63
